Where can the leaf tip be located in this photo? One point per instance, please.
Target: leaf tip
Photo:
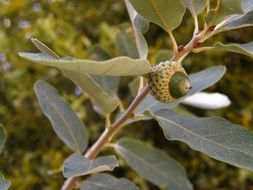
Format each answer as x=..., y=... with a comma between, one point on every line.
x=39, y=84
x=222, y=67
x=33, y=39
x=21, y=54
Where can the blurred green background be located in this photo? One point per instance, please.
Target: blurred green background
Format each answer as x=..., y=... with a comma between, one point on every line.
x=33, y=154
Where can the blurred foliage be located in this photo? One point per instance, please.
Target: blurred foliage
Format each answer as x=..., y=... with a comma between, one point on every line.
x=33, y=155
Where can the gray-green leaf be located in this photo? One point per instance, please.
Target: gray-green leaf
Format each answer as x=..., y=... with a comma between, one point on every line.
x=107, y=182
x=195, y=6
x=140, y=27
x=104, y=101
x=134, y=85
x=120, y=66
x=245, y=49
x=226, y=9
x=199, y=81
x=44, y=49
x=247, y=5
x=236, y=22
x=100, y=53
x=65, y=122
x=107, y=83
x=3, y=137
x=153, y=164
x=125, y=43
x=216, y=137
x=167, y=14
x=163, y=55
x=99, y=97
x=4, y=184
x=78, y=165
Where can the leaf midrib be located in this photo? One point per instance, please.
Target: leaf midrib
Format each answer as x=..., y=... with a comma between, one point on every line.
x=160, y=15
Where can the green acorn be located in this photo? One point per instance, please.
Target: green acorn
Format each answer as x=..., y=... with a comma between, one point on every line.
x=168, y=82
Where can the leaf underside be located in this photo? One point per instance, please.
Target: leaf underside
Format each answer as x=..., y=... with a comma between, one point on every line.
x=245, y=49
x=120, y=66
x=153, y=164
x=226, y=9
x=216, y=137
x=140, y=27
x=236, y=22
x=78, y=165
x=99, y=97
x=103, y=100
x=107, y=182
x=65, y=122
x=4, y=184
x=3, y=137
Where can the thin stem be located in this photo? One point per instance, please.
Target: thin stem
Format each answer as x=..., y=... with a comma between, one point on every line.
x=217, y=5
x=107, y=135
x=141, y=84
x=205, y=36
x=204, y=31
x=121, y=107
x=201, y=49
x=173, y=42
x=139, y=116
x=107, y=121
x=55, y=171
x=207, y=6
x=196, y=25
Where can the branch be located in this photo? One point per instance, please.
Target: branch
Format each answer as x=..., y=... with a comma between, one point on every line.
x=107, y=135
x=109, y=132
x=193, y=44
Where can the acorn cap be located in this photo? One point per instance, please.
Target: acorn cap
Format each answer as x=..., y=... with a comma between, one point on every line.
x=168, y=82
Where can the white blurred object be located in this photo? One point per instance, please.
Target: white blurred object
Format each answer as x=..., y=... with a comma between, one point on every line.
x=207, y=100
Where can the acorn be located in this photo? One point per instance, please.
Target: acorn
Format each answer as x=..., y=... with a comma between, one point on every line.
x=168, y=82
